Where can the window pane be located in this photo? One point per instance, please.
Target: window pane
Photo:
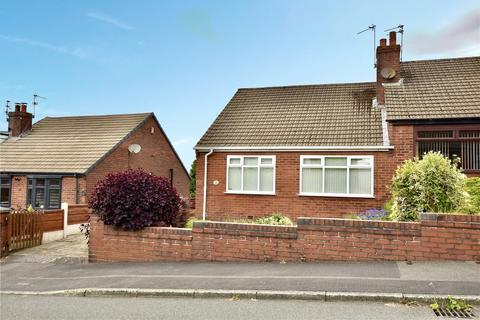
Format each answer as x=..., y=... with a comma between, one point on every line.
x=250, y=179
x=40, y=182
x=335, y=180
x=250, y=161
x=470, y=155
x=312, y=180
x=235, y=160
x=436, y=146
x=54, y=198
x=54, y=182
x=435, y=134
x=360, y=162
x=335, y=161
x=39, y=197
x=470, y=134
x=313, y=161
x=234, y=178
x=29, y=197
x=4, y=197
x=360, y=181
x=266, y=179
x=5, y=181
x=266, y=161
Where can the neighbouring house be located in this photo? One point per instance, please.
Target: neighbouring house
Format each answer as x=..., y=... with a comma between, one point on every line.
x=60, y=159
x=332, y=149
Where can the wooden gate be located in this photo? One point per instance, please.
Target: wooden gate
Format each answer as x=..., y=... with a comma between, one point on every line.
x=24, y=230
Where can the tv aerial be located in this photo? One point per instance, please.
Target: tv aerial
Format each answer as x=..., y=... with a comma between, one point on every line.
x=35, y=102
x=400, y=30
x=372, y=27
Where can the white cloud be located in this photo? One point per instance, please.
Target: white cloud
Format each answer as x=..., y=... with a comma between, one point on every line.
x=461, y=36
x=78, y=52
x=182, y=142
x=103, y=17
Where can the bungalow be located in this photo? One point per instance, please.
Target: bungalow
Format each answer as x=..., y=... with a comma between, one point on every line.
x=60, y=159
x=332, y=149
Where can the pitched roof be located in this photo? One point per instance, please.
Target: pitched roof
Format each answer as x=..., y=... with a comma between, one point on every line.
x=308, y=115
x=436, y=89
x=67, y=144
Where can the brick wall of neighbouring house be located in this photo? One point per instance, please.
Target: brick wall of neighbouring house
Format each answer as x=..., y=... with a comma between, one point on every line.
x=287, y=201
x=74, y=190
x=436, y=237
x=156, y=156
x=19, y=192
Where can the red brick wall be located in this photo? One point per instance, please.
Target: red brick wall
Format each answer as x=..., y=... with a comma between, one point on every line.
x=149, y=244
x=156, y=156
x=19, y=192
x=70, y=193
x=436, y=237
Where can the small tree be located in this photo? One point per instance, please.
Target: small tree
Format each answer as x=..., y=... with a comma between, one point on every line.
x=193, y=178
x=135, y=199
x=433, y=184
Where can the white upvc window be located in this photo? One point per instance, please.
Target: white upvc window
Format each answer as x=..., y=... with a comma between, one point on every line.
x=251, y=174
x=336, y=176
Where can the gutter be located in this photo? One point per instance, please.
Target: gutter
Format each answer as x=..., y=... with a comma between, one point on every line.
x=204, y=211
x=299, y=148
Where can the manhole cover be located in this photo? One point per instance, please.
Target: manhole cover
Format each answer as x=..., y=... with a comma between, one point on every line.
x=442, y=312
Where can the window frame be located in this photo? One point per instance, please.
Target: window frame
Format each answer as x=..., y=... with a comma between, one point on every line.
x=348, y=167
x=259, y=165
x=456, y=129
x=46, y=196
x=9, y=177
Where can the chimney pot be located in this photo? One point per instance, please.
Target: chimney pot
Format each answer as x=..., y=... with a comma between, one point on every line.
x=383, y=42
x=393, y=38
x=19, y=121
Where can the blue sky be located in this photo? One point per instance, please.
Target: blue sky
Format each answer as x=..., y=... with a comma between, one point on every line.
x=184, y=60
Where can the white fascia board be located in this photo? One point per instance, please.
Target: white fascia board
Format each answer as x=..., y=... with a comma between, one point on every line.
x=299, y=148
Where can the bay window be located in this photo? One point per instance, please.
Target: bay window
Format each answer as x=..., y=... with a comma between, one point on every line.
x=44, y=193
x=350, y=176
x=251, y=174
x=461, y=142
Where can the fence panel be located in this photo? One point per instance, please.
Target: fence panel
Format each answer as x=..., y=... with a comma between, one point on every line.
x=23, y=230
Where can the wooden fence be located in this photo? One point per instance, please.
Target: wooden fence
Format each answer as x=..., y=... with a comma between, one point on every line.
x=21, y=229
x=24, y=230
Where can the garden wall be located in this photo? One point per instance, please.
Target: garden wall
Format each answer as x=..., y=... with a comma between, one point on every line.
x=436, y=237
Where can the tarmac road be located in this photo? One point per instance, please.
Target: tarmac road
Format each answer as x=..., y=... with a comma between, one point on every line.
x=102, y=308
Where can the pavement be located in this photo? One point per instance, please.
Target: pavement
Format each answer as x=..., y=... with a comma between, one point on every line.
x=391, y=279
x=101, y=308
x=72, y=249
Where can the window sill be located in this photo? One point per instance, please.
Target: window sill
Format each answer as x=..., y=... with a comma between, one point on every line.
x=252, y=193
x=333, y=195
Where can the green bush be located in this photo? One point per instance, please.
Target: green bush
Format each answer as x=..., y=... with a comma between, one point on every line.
x=190, y=221
x=472, y=186
x=275, y=219
x=433, y=184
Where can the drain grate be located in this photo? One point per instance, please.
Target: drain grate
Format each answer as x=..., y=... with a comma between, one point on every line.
x=442, y=312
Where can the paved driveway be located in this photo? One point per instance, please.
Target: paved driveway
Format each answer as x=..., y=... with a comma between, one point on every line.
x=72, y=249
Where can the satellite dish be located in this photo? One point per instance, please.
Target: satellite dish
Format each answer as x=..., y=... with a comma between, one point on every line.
x=134, y=148
x=388, y=73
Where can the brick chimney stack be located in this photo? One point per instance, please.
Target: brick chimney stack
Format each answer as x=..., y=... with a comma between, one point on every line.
x=388, y=64
x=19, y=121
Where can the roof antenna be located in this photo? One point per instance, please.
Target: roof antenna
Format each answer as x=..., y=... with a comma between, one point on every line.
x=400, y=30
x=35, y=102
x=7, y=108
x=372, y=28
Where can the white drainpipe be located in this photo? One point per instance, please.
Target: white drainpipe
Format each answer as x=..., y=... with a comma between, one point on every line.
x=205, y=183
